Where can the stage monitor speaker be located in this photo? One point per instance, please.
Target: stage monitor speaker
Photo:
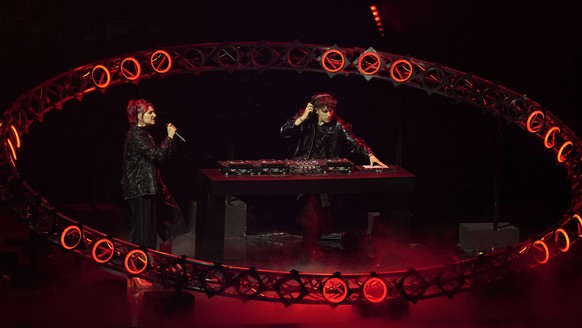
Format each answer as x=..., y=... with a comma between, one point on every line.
x=481, y=237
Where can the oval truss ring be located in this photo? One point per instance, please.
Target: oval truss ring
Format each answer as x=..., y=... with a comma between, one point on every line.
x=265, y=285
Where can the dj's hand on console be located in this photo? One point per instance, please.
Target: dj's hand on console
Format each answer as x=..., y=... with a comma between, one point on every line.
x=375, y=160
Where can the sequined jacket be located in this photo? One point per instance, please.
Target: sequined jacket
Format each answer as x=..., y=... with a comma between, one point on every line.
x=141, y=160
x=338, y=138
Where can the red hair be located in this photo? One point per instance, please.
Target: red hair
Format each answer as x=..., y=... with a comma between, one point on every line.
x=135, y=107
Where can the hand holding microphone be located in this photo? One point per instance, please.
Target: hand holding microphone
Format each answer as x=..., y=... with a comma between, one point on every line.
x=172, y=132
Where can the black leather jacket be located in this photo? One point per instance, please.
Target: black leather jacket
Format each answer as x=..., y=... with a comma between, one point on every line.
x=141, y=158
x=338, y=137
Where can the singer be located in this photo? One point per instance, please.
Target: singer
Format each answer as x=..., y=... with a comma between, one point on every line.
x=152, y=207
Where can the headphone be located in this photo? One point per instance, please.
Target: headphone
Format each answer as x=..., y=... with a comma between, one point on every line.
x=320, y=95
x=315, y=97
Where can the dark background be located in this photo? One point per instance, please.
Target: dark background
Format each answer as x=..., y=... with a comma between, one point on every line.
x=75, y=155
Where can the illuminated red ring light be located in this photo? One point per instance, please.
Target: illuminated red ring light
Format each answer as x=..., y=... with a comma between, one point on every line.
x=136, y=261
x=161, y=61
x=534, y=124
x=369, y=63
x=401, y=70
x=100, y=76
x=335, y=290
x=130, y=68
x=560, y=156
x=335, y=59
x=540, y=245
x=12, y=153
x=15, y=134
x=577, y=217
x=550, y=134
x=375, y=290
x=103, y=250
x=71, y=237
x=566, y=240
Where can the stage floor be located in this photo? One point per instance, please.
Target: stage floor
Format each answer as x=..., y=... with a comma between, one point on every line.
x=58, y=288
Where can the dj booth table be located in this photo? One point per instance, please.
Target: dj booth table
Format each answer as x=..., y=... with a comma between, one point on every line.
x=215, y=189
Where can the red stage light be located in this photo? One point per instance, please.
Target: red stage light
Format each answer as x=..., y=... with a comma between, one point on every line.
x=375, y=290
x=376, y=16
x=71, y=237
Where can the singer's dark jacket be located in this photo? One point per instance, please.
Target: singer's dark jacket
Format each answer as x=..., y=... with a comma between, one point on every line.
x=336, y=137
x=141, y=160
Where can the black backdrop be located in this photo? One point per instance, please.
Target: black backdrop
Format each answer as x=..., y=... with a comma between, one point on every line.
x=75, y=155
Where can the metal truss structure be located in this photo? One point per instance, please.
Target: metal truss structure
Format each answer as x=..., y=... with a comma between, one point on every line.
x=213, y=279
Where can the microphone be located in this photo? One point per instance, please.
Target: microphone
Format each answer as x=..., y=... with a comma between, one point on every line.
x=177, y=134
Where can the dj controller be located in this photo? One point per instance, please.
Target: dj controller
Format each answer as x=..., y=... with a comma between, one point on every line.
x=296, y=167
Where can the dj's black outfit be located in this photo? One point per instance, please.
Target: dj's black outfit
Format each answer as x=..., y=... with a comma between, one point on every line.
x=153, y=209
x=324, y=141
